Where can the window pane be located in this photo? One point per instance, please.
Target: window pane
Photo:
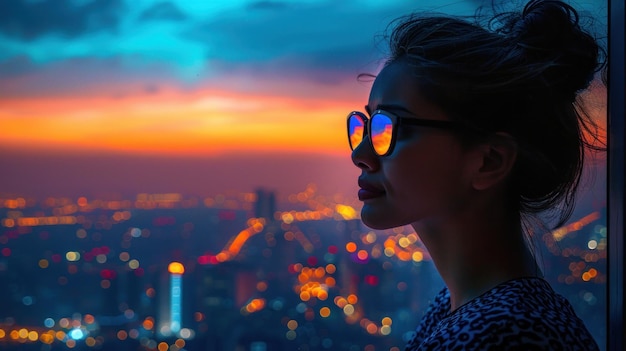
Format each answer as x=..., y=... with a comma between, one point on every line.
x=177, y=176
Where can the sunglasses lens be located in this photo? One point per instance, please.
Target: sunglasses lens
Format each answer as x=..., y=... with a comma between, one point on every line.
x=382, y=130
x=356, y=127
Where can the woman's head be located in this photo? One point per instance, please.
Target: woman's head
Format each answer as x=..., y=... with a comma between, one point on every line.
x=421, y=175
x=518, y=77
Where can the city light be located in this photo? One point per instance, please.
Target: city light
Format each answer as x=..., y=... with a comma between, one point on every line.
x=76, y=334
x=176, y=270
x=303, y=268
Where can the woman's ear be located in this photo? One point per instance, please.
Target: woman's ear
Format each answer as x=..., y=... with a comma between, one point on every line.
x=495, y=161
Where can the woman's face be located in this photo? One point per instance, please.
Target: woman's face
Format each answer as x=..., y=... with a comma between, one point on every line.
x=425, y=177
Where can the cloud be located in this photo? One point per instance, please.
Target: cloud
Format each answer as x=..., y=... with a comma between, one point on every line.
x=321, y=40
x=116, y=76
x=251, y=46
x=163, y=11
x=328, y=36
x=186, y=43
x=27, y=20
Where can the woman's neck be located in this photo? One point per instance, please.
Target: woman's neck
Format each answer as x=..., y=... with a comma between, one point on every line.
x=474, y=256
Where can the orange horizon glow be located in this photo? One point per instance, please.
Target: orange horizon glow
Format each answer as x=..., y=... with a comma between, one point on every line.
x=202, y=122
x=205, y=122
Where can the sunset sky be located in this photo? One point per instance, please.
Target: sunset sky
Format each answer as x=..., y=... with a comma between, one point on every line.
x=202, y=81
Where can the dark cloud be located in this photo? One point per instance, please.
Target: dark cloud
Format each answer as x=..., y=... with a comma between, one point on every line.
x=320, y=40
x=163, y=11
x=326, y=36
x=30, y=20
x=329, y=66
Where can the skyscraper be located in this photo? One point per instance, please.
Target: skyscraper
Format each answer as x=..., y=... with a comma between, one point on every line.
x=265, y=204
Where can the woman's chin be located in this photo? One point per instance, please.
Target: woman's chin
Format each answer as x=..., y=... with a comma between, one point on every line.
x=377, y=220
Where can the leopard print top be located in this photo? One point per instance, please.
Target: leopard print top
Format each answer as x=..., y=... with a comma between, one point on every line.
x=521, y=314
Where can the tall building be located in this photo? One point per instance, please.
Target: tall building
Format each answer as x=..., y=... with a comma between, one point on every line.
x=265, y=205
x=176, y=270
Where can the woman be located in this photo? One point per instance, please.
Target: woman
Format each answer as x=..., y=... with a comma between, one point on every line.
x=469, y=132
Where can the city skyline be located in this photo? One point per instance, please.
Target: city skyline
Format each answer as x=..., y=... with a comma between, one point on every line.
x=93, y=273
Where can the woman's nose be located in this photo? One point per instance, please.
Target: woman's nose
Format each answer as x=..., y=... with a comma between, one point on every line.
x=363, y=156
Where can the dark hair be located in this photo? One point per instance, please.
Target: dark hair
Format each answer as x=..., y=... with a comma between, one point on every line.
x=521, y=74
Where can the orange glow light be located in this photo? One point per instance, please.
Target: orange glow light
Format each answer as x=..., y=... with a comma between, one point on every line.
x=352, y=299
x=148, y=324
x=176, y=268
x=351, y=247
x=325, y=312
x=331, y=268
x=362, y=255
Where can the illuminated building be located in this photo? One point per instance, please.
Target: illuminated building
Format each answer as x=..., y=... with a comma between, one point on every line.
x=176, y=270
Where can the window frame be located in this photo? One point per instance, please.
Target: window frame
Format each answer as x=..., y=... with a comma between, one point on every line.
x=616, y=338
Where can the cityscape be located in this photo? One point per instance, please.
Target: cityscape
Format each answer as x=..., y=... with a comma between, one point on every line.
x=123, y=123
x=238, y=271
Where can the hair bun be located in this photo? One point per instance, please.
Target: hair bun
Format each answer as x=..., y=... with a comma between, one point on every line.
x=550, y=34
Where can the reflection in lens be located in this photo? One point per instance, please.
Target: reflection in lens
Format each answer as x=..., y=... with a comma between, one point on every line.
x=382, y=129
x=355, y=131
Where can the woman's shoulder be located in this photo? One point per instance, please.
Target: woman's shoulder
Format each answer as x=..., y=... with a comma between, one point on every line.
x=517, y=303
x=518, y=298
x=523, y=312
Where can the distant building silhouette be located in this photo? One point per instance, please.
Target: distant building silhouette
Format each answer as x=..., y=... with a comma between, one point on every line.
x=265, y=204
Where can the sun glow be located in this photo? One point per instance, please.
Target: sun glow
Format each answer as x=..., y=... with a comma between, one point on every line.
x=202, y=122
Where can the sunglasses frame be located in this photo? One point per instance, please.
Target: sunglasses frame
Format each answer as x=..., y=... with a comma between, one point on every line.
x=396, y=121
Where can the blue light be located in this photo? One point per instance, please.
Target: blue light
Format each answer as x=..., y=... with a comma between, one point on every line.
x=175, y=303
x=77, y=334
x=48, y=322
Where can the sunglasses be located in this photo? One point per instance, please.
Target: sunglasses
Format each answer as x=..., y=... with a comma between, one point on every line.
x=382, y=128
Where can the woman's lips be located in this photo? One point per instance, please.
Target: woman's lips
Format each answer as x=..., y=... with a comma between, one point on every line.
x=366, y=194
x=368, y=191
